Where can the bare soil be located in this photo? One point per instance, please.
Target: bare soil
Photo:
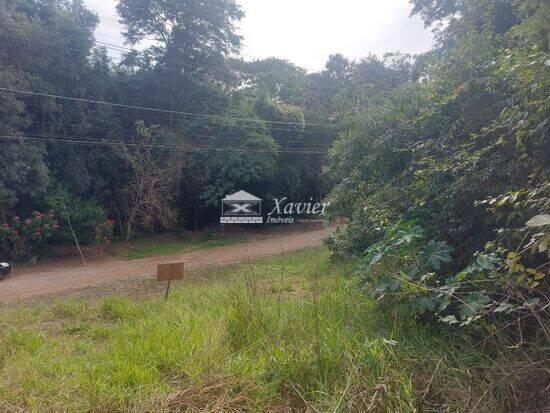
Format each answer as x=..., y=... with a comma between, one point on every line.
x=69, y=275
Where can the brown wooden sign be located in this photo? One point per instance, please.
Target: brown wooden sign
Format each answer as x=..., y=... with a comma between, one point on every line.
x=170, y=272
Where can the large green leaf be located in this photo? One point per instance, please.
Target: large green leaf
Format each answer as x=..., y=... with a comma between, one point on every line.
x=375, y=253
x=434, y=253
x=472, y=304
x=423, y=304
x=387, y=284
x=408, y=235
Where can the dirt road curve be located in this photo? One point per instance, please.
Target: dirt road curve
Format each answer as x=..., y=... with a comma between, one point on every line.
x=42, y=280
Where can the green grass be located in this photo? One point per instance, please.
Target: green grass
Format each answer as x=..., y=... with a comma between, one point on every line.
x=276, y=333
x=156, y=245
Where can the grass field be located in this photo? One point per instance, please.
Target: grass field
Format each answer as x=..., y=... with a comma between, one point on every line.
x=274, y=334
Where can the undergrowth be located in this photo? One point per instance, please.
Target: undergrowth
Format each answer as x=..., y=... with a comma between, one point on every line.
x=277, y=334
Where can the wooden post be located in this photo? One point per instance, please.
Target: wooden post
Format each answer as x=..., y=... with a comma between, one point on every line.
x=74, y=235
x=167, y=290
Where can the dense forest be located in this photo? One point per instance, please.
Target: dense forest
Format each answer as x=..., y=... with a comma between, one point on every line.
x=443, y=175
x=151, y=139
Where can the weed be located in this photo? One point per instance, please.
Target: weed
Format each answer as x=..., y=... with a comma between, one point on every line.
x=233, y=343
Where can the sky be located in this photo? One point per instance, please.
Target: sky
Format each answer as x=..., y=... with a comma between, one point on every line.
x=306, y=32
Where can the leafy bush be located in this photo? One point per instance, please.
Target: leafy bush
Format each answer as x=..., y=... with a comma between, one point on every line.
x=86, y=217
x=463, y=153
x=494, y=290
x=181, y=230
x=349, y=239
x=22, y=238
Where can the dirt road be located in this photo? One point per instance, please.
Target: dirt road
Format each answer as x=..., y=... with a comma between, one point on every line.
x=46, y=279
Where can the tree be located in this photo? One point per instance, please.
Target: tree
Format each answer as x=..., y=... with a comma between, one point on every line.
x=146, y=199
x=45, y=47
x=24, y=175
x=193, y=39
x=241, y=155
x=189, y=26
x=279, y=79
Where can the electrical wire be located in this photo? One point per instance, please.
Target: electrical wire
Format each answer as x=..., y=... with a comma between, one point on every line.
x=119, y=59
x=122, y=48
x=202, y=136
x=186, y=148
x=111, y=46
x=202, y=115
x=181, y=117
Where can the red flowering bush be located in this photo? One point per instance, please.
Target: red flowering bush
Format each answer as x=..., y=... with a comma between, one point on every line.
x=22, y=238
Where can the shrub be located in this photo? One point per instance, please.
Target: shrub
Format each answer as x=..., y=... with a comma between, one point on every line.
x=86, y=216
x=23, y=238
x=497, y=289
x=349, y=239
x=104, y=232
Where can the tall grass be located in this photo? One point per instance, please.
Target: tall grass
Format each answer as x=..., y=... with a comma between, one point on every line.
x=275, y=334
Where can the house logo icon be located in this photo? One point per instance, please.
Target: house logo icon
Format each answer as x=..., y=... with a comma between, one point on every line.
x=241, y=208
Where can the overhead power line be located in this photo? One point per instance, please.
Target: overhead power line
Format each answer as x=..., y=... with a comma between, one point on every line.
x=120, y=105
x=225, y=125
x=319, y=144
x=122, y=48
x=217, y=74
x=119, y=48
x=171, y=69
x=156, y=145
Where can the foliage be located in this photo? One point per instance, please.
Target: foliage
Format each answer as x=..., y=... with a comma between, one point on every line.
x=25, y=237
x=145, y=202
x=249, y=162
x=438, y=167
x=463, y=153
x=27, y=27
x=216, y=344
x=48, y=47
x=24, y=176
x=209, y=28
x=181, y=232
x=494, y=289
x=209, y=234
x=84, y=215
x=104, y=232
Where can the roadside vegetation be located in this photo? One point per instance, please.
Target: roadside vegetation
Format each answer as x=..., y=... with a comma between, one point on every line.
x=268, y=335
x=105, y=171
x=217, y=236
x=168, y=244
x=436, y=294
x=445, y=184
